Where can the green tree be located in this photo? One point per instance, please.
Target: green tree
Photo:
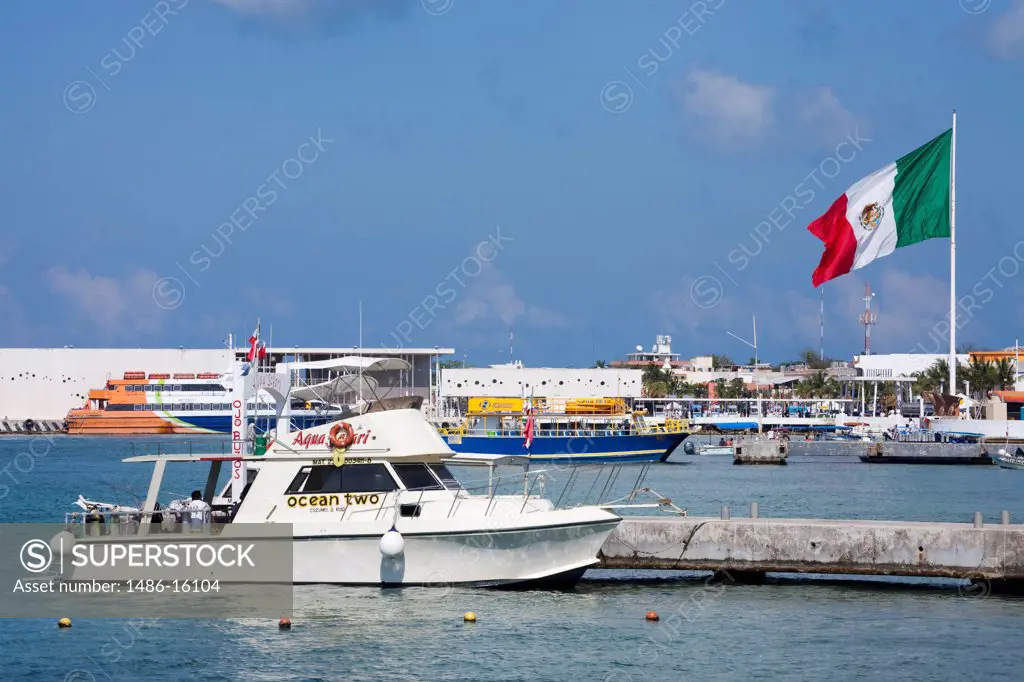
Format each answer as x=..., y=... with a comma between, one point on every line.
x=721, y=362
x=1006, y=375
x=599, y=364
x=814, y=360
x=818, y=385
x=985, y=376
x=934, y=378
x=692, y=390
x=658, y=382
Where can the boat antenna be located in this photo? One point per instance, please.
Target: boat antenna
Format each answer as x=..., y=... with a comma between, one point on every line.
x=360, y=352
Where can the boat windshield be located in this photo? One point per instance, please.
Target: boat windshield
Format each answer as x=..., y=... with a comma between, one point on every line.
x=417, y=477
x=441, y=471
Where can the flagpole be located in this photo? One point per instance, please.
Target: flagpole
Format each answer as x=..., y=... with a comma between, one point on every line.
x=952, y=261
x=360, y=352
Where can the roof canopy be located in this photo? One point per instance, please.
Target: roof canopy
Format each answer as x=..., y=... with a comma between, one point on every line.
x=330, y=391
x=352, y=363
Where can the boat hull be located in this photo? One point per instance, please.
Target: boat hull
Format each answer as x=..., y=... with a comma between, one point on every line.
x=655, y=447
x=550, y=556
x=1009, y=461
x=526, y=553
x=99, y=423
x=717, y=450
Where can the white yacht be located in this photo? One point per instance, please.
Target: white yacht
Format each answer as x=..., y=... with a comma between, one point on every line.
x=370, y=500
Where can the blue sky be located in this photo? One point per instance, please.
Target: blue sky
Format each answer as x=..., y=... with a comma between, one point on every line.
x=589, y=173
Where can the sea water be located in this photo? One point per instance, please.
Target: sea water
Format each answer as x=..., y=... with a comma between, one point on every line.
x=789, y=629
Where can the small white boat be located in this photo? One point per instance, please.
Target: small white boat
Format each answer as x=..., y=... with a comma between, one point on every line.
x=1008, y=461
x=370, y=501
x=709, y=449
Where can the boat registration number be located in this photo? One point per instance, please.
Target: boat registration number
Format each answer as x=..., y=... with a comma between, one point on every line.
x=348, y=460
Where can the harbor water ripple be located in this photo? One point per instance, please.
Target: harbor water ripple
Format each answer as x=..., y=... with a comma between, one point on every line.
x=787, y=630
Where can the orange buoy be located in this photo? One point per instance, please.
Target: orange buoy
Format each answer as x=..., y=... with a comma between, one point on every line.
x=284, y=624
x=652, y=616
x=469, y=617
x=64, y=623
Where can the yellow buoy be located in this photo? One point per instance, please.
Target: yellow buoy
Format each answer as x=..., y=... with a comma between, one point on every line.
x=469, y=617
x=64, y=623
x=652, y=615
x=284, y=624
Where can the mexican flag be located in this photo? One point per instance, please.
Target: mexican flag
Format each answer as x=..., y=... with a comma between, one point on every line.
x=901, y=204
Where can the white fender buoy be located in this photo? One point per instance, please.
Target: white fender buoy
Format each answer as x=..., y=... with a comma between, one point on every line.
x=392, y=544
x=62, y=542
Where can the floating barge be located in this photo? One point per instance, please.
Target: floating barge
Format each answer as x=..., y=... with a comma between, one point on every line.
x=761, y=452
x=892, y=452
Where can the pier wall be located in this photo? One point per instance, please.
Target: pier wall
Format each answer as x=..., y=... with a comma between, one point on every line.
x=766, y=545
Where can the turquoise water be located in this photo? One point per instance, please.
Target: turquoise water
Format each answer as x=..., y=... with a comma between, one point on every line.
x=788, y=629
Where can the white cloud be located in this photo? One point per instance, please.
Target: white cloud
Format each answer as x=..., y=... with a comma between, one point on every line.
x=734, y=114
x=822, y=114
x=732, y=111
x=116, y=307
x=269, y=7
x=329, y=15
x=909, y=307
x=491, y=297
x=15, y=329
x=1006, y=37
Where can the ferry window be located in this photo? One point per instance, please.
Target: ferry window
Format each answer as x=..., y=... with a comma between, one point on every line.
x=351, y=478
x=417, y=477
x=176, y=387
x=441, y=471
x=138, y=407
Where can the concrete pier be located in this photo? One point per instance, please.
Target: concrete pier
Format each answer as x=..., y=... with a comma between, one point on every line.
x=926, y=453
x=752, y=546
x=761, y=452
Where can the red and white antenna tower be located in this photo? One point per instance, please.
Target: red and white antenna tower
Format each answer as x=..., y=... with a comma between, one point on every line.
x=867, y=318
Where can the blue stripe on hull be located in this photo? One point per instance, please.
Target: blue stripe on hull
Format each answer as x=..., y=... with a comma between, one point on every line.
x=580, y=449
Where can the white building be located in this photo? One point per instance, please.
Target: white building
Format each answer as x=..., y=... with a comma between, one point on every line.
x=897, y=366
x=503, y=381
x=44, y=383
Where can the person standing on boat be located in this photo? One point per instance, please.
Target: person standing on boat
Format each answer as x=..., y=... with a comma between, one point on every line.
x=198, y=512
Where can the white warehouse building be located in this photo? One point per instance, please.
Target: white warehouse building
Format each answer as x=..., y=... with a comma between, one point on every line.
x=516, y=381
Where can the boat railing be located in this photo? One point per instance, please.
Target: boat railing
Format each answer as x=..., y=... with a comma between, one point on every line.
x=616, y=486
x=556, y=429
x=127, y=523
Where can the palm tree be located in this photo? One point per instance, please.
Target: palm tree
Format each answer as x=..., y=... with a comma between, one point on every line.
x=1005, y=375
x=599, y=364
x=658, y=381
x=818, y=385
x=735, y=389
x=692, y=390
x=933, y=378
